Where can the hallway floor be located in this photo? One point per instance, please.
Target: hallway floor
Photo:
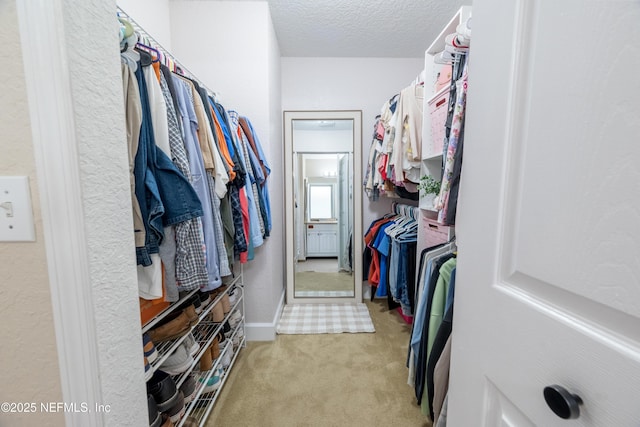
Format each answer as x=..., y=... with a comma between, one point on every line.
x=323, y=380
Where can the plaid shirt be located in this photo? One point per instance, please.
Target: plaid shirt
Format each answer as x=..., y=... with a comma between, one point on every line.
x=225, y=270
x=191, y=270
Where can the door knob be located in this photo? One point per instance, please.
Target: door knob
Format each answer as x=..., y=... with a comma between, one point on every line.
x=563, y=403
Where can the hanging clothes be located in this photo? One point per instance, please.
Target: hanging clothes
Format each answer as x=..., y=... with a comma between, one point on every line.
x=190, y=256
x=199, y=193
x=390, y=245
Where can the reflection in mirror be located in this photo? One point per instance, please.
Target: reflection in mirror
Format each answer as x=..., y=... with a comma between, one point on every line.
x=323, y=205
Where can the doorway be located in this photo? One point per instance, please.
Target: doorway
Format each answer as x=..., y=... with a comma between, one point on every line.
x=322, y=210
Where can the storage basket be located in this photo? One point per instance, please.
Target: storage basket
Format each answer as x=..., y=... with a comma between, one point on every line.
x=438, y=106
x=434, y=233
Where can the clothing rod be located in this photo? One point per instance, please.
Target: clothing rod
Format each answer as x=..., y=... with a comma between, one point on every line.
x=147, y=39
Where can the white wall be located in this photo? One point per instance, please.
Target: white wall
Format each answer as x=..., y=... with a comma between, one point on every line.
x=153, y=16
x=232, y=48
x=274, y=146
x=316, y=167
x=348, y=84
x=323, y=140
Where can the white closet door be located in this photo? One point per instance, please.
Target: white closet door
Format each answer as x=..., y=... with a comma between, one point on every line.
x=548, y=283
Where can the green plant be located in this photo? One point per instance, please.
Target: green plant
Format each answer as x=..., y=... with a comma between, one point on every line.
x=428, y=185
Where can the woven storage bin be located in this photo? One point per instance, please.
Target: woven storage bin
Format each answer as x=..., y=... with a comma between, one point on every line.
x=434, y=233
x=438, y=113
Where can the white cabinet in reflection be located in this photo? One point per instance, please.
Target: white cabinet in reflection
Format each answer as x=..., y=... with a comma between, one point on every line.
x=322, y=240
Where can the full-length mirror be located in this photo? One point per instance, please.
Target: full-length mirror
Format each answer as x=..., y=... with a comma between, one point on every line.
x=323, y=210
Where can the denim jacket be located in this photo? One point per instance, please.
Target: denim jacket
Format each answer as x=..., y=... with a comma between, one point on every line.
x=165, y=196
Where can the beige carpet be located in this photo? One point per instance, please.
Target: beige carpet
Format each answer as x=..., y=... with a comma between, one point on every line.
x=323, y=380
x=314, y=281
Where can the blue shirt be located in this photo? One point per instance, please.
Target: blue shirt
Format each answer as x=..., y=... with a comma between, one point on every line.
x=198, y=176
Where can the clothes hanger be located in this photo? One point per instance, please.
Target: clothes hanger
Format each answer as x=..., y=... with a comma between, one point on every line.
x=145, y=58
x=140, y=47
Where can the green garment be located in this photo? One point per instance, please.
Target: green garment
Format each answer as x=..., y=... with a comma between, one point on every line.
x=438, y=304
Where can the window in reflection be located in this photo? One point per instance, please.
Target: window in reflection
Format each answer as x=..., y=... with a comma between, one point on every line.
x=320, y=202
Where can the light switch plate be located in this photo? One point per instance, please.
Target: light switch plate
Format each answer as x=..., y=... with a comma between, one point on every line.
x=16, y=217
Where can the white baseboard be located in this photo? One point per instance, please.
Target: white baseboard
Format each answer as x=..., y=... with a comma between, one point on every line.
x=265, y=331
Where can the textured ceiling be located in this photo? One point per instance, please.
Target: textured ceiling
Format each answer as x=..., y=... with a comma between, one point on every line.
x=359, y=28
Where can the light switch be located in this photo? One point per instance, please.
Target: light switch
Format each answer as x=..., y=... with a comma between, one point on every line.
x=16, y=214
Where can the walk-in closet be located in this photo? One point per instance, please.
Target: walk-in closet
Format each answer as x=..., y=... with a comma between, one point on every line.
x=333, y=213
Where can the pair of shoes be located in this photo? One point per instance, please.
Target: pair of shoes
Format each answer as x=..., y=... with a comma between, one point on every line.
x=164, y=397
x=222, y=340
x=217, y=313
x=213, y=383
x=226, y=302
x=226, y=328
x=211, y=354
x=225, y=357
x=188, y=389
x=237, y=339
x=177, y=410
x=193, y=300
x=149, y=348
x=163, y=389
x=235, y=319
x=179, y=361
x=155, y=418
x=234, y=294
x=191, y=345
x=175, y=325
x=205, y=298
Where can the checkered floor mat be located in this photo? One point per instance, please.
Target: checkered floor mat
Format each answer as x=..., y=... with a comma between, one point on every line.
x=325, y=319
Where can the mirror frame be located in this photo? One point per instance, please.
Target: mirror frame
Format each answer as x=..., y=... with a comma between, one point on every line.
x=288, y=118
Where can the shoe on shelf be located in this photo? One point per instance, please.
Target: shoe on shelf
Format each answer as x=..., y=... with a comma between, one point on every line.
x=226, y=303
x=163, y=389
x=190, y=311
x=190, y=422
x=226, y=359
x=206, y=361
x=177, y=410
x=191, y=345
x=222, y=341
x=215, y=348
x=234, y=295
x=150, y=351
x=173, y=328
x=235, y=318
x=214, y=382
x=227, y=329
x=167, y=421
x=193, y=300
x=188, y=389
x=217, y=313
x=179, y=361
x=148, y=372
x=155, y=418
x=235, y=341
x=204, y=297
